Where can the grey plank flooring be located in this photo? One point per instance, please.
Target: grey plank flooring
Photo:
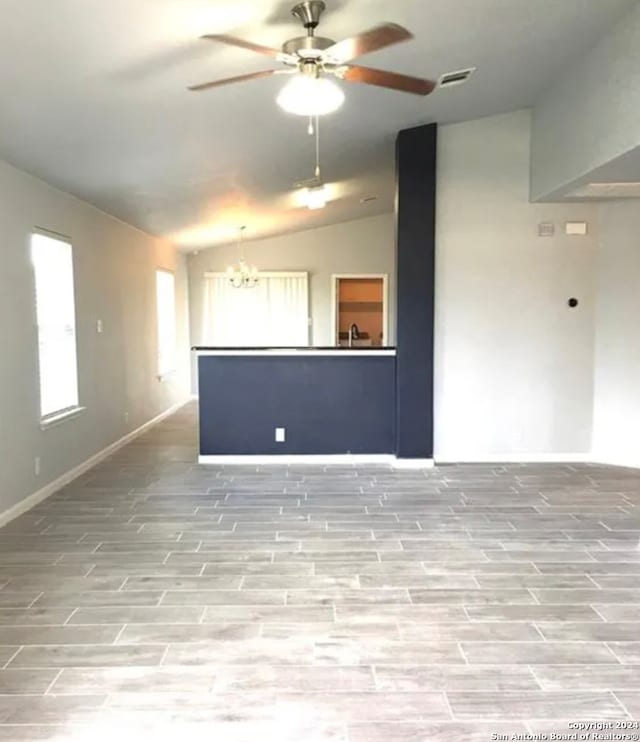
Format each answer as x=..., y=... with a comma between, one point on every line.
x=317, y=604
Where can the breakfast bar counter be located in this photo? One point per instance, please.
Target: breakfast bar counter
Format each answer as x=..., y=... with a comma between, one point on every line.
x=292, y=403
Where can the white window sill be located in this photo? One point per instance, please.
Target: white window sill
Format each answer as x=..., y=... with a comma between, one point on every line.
x=167, y=375
x=60, y=417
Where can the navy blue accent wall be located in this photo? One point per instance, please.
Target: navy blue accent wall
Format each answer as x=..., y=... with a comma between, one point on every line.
x=328, y=404
x=415, y=255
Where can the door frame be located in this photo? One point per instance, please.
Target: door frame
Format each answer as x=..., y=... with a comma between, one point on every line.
x=335, y=277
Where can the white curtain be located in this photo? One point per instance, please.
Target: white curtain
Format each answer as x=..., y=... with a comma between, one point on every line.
x=274, y=313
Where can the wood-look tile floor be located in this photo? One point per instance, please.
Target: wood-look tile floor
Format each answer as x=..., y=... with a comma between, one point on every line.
x=467, y=603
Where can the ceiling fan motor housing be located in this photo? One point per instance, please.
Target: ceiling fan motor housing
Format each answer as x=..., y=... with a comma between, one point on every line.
x=307, y=46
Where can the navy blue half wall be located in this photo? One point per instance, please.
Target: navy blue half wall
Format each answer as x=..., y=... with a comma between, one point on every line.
x=336, y=402
x=415, y=255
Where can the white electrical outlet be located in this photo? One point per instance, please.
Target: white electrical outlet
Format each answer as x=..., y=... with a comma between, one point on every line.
x=281, y=435
x=36, y=466
x=99, y=327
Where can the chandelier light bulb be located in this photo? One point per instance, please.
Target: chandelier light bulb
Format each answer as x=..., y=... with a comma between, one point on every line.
x=243, y=276
x=306, y=95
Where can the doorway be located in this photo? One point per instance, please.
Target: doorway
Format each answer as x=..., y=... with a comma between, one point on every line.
x=360, y=310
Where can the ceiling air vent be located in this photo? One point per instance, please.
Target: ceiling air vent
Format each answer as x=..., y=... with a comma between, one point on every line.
x=449, y=79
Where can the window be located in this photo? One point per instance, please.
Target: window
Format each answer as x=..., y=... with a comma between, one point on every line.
x=166, y=303
x=56, y=318
x=274, y=313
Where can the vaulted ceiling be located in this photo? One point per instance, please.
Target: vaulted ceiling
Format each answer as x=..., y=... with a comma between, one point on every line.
x=94, y=101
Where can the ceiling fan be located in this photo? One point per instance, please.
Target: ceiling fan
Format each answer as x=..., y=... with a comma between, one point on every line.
x=314, y=58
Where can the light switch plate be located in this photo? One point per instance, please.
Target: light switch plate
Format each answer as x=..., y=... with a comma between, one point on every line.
x=280, y=435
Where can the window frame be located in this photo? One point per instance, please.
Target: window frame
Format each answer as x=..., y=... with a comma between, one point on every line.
x=165, y=373
x=71, y=411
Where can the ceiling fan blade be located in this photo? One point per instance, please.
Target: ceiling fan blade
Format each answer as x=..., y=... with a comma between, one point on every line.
x=231, y=80
x=372, y=40
x=393, y=80
x=242, y=44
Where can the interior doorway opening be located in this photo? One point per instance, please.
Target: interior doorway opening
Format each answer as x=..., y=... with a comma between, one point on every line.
x=360, y=310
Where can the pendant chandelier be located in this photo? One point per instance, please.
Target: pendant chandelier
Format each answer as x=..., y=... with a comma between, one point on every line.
x=242, y=276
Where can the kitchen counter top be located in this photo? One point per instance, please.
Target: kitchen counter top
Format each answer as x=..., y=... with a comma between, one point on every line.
x=311, y=351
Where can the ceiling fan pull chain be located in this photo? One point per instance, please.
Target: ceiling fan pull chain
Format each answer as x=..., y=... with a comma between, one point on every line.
x=317, y=147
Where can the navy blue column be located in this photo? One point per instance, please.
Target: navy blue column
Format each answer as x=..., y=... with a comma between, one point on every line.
x=415, y=255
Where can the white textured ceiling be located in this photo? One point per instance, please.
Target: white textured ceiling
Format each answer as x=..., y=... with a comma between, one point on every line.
x=94, y=101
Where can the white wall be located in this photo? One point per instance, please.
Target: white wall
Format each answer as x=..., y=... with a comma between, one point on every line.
x=514, y=365
x=616, y=436
x=362, y=246
x=590, y=115
x=114, y=267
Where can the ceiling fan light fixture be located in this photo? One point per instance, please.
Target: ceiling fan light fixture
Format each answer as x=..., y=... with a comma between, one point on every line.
x=316, y=197
x=306, y=95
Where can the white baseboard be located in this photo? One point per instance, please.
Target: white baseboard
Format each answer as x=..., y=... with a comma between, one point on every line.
x=49, y=489
x=628, y=462
x=407, y=464
x=516, y=458
x=298, y=459
x=347, y=459
x=412, y=463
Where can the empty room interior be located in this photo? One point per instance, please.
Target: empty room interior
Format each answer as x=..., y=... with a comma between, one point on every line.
x=320, y=370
